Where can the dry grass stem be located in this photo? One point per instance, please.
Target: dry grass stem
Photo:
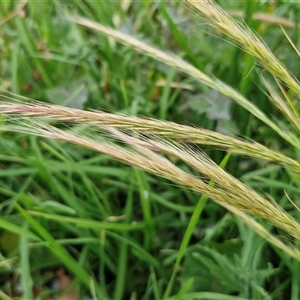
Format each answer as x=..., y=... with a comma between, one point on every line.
x=265, y=17
x=290, y=41
x=150, y=126
x=246, y=39
x=210, y=170
x=288, y=110
x=228, y=190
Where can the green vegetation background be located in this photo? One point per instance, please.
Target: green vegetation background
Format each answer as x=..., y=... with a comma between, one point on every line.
x=92, y=200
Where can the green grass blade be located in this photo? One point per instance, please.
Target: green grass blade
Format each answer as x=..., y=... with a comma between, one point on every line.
x=27, y=283
x=18, y=230
x=60, y=251
x=184, y=289
x=189, y=231
x=92, y=224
